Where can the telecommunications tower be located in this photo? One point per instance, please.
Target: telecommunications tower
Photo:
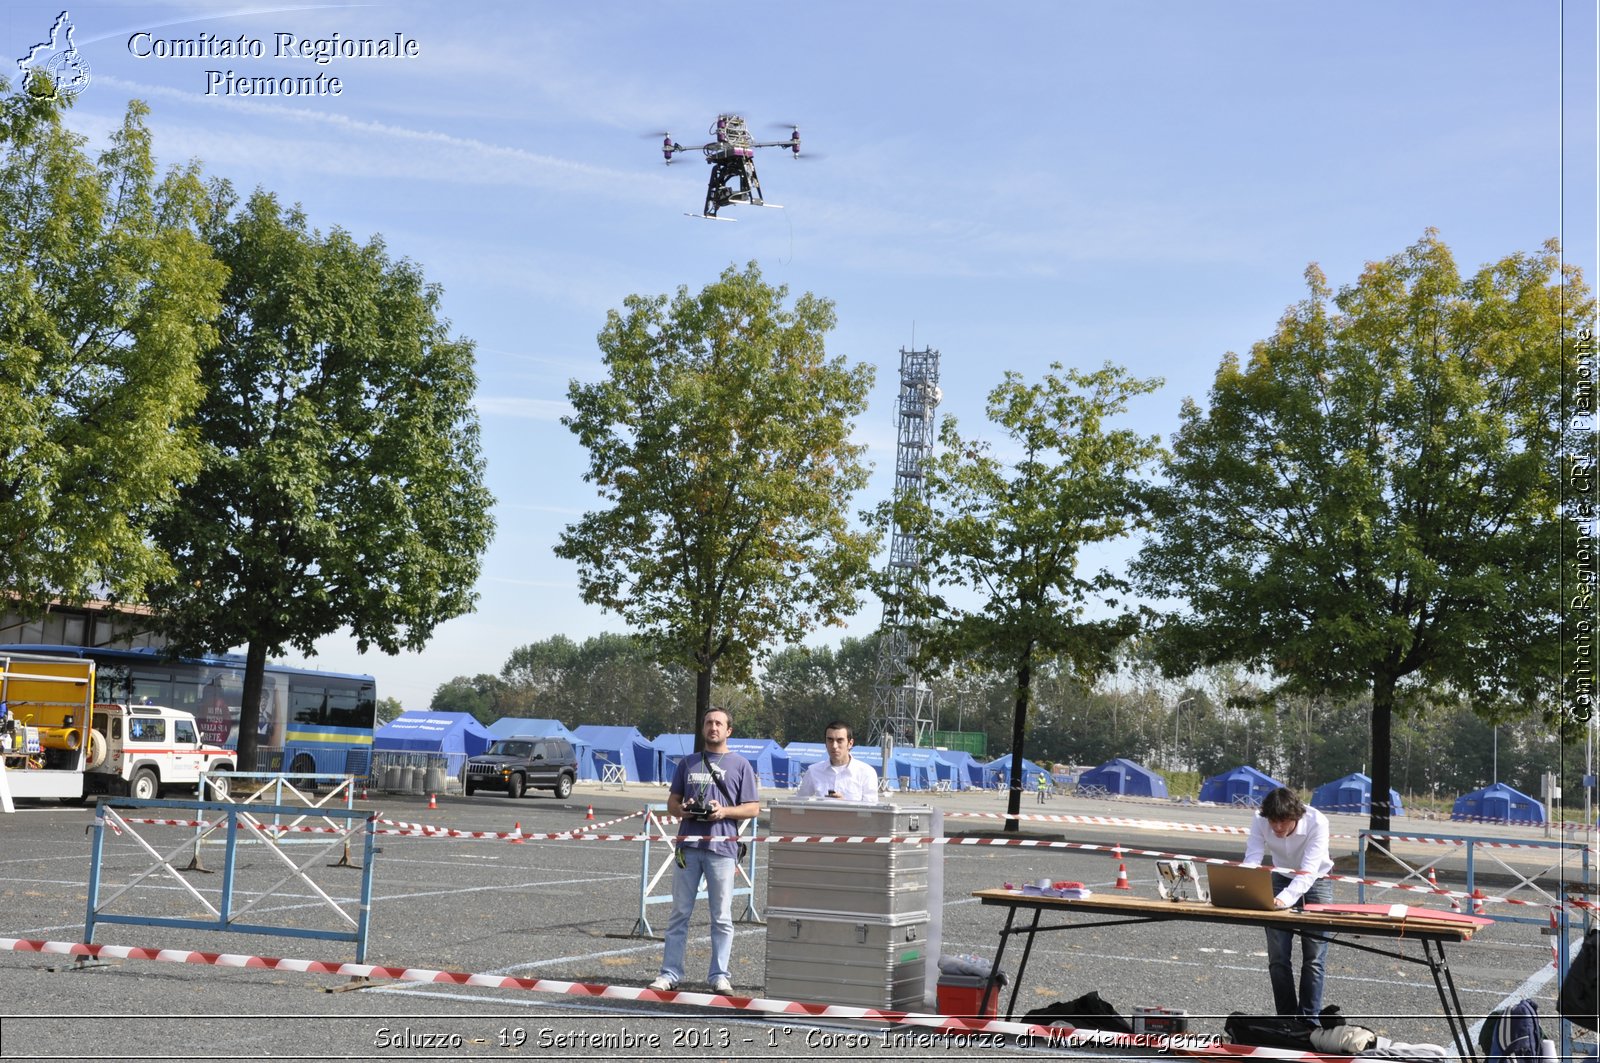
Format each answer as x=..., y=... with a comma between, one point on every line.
x=902, y=711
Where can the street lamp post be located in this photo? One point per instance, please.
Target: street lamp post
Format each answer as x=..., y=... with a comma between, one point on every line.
x=1177, y=715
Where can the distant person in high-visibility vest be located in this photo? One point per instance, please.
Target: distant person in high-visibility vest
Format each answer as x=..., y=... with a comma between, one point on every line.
x=1044, y=787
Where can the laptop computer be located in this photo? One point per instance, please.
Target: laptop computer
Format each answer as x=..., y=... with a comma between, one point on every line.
x=1240, y=887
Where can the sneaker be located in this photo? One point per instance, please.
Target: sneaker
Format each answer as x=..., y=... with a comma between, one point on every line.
x=663, y=985
x=722, y=985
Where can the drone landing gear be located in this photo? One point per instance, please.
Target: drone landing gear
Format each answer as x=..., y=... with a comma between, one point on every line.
x=720, y=191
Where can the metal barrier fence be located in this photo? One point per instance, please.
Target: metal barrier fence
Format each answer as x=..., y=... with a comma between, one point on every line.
x=233, y=904
x=655, y=828
x=284, y=789
x=1476, y=849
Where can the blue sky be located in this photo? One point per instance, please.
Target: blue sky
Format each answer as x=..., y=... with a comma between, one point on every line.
x=1016, y=184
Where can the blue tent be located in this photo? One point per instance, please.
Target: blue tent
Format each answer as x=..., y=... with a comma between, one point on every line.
x=1243, y=785
x=766, y=757
x=1125, y=778
x=455, y=734
x=669, y=750
x=802, y=755
x=1353, y=794
x=920, y=766
x=616, y=745
x=522, y=727
x=1498, y=803
x=965, y=770
x=998, y=772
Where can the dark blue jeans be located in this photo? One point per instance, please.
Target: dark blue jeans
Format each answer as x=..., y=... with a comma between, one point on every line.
x=1307, y=1002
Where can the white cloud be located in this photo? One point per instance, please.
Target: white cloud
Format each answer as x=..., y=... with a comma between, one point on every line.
x=527, y=409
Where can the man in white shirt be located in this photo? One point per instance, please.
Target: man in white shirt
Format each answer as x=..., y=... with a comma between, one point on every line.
x=841, y=776
x=1292, y=836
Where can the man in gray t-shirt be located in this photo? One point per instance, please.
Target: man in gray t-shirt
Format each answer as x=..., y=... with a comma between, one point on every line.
x=712, y=793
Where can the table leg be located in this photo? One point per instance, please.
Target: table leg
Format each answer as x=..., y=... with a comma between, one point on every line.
x=1450, y=1000
x=994, y=968
x=1027, y=950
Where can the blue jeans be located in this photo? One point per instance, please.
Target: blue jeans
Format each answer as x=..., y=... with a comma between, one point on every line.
x=717, y=870
x=1307, y=1003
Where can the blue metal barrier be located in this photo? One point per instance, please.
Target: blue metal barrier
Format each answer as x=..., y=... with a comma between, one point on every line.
x=228, y=913
x=1383, y=840
x=648, y=881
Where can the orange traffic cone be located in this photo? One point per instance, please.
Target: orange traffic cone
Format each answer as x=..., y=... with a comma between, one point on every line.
x=1433, y=881
x=1455, y=905
x=433, y=802
x=516, y=828
x=590, y=814
x=1477, y=901
x=1122, y=878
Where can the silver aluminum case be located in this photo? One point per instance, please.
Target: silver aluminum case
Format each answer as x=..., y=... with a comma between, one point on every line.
x=851, y=962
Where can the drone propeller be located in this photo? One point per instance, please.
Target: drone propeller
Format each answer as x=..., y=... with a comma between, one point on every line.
x=669, y=147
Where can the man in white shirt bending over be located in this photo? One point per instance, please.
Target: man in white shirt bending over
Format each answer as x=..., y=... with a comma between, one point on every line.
x=841, y=775
x=1286, y=834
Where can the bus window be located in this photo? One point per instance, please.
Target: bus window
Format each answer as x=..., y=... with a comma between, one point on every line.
x=149, y=688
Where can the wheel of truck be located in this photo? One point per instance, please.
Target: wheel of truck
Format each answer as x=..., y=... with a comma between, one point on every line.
x=514, y=785
x=97, y=750
x=564, y=786
x=468, y=789
x=304, y=765
x=218, y=788
x=144, y=785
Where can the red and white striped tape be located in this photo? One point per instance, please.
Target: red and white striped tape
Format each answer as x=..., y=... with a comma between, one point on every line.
x=1109, y=821
x=1117, y=850
x=1058, y=1036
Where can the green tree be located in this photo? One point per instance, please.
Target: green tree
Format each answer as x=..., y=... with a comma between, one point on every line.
x=719, y=441
x=342, y=479
x=388, y=709
x=806, y=688
x=107, y=296
x=1009, y=533
x=534, y=677
x=483, y=696
x=1370, y=505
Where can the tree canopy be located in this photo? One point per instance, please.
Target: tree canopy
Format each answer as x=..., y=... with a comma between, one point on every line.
x=1005, y=531
x=107, y=297
x=1370, y=503
x=341, y=481
x=719, y=442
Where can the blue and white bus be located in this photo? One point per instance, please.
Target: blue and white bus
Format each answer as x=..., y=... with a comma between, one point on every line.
x=310, y=721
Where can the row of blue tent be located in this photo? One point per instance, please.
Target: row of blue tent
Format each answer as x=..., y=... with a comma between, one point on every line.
x=459, y=736
x=1497, y=803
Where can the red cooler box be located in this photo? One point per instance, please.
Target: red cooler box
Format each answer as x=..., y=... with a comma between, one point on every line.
x=960, y=994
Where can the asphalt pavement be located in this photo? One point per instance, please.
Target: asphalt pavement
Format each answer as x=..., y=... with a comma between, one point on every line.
x=570, y=910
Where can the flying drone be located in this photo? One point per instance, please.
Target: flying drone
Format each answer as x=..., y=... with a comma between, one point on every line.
x=732, y=156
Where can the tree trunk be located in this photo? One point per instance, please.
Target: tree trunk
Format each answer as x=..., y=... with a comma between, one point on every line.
x=255, y=668
x=702, y=704
x=1382, y=736
x=1019, y=727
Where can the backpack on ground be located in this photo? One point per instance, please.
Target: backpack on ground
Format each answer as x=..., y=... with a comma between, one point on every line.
x=1270, y=1031
x=1087, y=1012
x=1512, y=1035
